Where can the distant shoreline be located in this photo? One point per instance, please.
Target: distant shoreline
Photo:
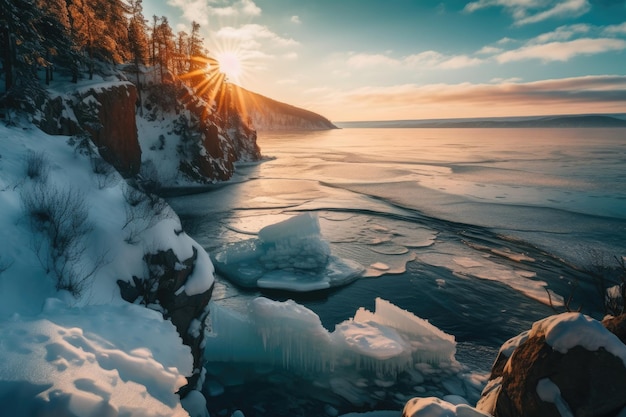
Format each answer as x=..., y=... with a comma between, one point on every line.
x=560, y=121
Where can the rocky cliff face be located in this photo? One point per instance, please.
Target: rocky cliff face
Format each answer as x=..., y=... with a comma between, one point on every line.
x=203, y=142
x=105, y=112
x=161, y=290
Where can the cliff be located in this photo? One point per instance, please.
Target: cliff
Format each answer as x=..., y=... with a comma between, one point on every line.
x=188, y=138
x=267, y=114
x=106, y=113
x=165, y=133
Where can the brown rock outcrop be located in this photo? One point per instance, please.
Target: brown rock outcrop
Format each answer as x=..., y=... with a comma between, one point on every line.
x=585, y=382
x=616, y=325
x=115, y=134
x=107, y=113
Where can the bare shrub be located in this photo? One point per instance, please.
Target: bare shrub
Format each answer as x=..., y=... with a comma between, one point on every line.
x=61, y=217
x=143, y=210
x=37, y=166
x=608, y=275
x=82, y=144
x=105, y=173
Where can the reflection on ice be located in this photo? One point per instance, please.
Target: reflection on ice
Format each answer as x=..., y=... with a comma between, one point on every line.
x=463, y=262
x=289, y=255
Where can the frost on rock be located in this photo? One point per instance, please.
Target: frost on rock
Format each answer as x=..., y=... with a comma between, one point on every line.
x=388, y=341
x=290, y=255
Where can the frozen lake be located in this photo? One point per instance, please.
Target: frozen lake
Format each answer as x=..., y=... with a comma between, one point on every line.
x=470, y=229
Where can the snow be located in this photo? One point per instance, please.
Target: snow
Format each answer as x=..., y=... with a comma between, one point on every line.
x=435, y=407
x=77, y=359
x=567, y=330
x=290, y=255
x=548, y=391
x=195, y=404
x=90, y=352
x=513, y=343
x=388, y=340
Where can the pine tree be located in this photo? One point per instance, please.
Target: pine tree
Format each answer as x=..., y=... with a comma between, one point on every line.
x=83, y=26
x=23, y=49
x=138, y=43
x=196, y=48
x=111, y=44
x=182, y=52
x=54, y=28
x=163, y=45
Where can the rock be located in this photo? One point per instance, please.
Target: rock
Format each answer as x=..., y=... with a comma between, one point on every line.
x=161, y=291
x=116, y=133
x=212, y=139
x=567, y=362
x=616, y=325
x=107, y=114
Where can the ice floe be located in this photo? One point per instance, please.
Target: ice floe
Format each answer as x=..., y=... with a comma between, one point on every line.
x=290, y=255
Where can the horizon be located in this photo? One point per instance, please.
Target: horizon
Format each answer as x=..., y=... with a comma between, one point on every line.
x=487, y=118
x=363, y=60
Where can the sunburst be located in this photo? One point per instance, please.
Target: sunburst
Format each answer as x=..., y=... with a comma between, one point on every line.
x=231, y=65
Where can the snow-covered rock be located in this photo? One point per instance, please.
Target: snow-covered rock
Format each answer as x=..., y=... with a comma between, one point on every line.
x=567, y=364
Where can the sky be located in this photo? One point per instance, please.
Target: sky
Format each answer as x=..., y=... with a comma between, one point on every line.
x=355, y=60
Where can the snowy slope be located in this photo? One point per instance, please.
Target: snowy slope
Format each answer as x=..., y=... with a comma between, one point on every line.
x=69, y=342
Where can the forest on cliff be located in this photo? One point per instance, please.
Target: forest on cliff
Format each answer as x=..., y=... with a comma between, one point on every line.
x=76, y=37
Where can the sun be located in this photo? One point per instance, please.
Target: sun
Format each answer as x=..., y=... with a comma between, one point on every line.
x=230, y=64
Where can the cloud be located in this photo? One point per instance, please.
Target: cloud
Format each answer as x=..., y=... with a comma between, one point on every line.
x=237, y=8
x=422, y=60
x=615, y=29
x=459, y=61
x=488, y=50
x=569, y=8
x=200, y=10
x=504, y=97
x=505, y=80
x=296, y=19
x=193, y=10
x=532, y=11
x=562, y=51
x=584, y=89
x=562, y=33
x=249, y=36
x=372, y=60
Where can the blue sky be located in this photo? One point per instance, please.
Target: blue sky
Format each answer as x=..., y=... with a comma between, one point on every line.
x=416, y=59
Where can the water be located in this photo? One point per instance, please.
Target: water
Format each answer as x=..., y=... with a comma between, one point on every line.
x=476, y=230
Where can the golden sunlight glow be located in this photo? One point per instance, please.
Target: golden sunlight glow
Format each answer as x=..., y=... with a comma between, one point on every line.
x=230, y=64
